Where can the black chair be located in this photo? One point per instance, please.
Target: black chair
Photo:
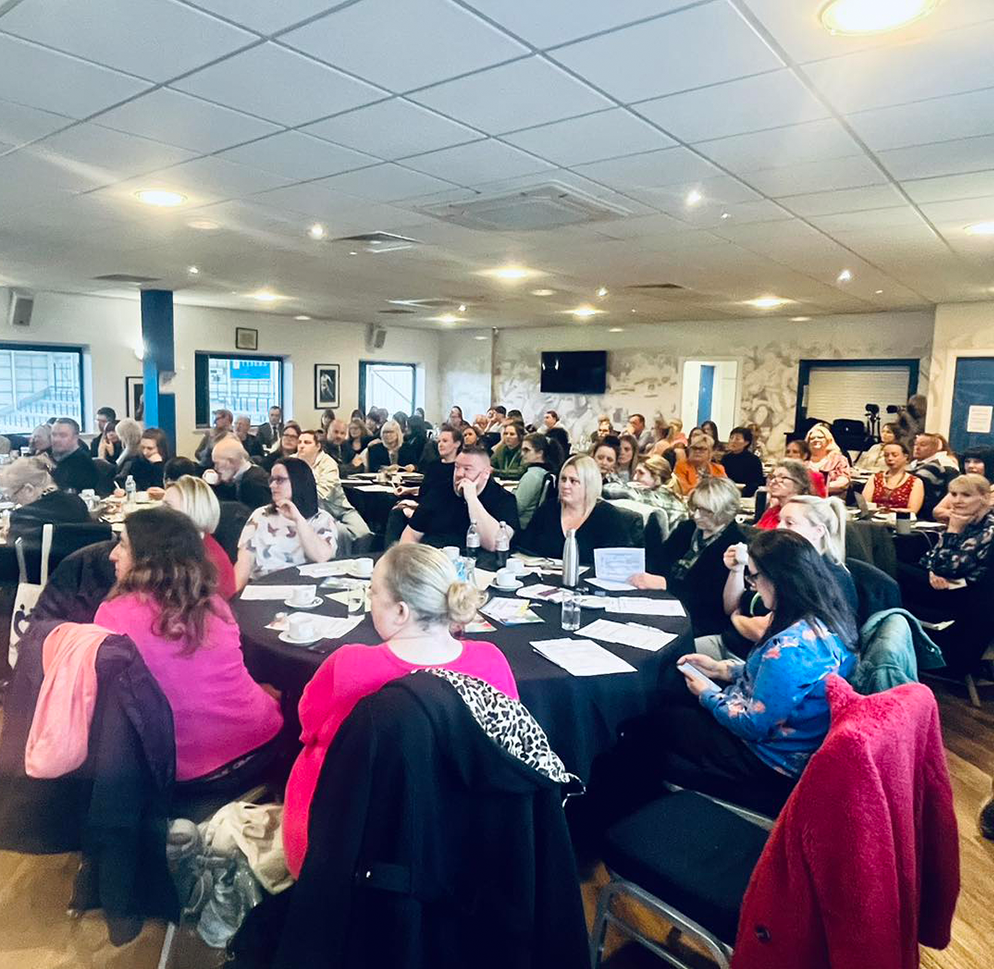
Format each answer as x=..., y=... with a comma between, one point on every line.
x=634, y=526
x=105, y=476
x=850, y=435
x=875, y=589
x=234, y=515
x=67, y=538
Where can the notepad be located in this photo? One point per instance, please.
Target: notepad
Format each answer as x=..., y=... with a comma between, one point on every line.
x=260, y=593
x=628, y=634
x=324, y=627
x=581, y=657
x=510, y=612
x=643, y=606
x=616, y=566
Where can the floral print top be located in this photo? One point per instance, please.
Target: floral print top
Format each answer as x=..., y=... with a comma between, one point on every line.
x=965, y=554
x=777, y=702
x=274, y=543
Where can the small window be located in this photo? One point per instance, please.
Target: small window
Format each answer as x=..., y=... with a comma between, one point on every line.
x=39, y=382
x=387, y=385
x=243, y=385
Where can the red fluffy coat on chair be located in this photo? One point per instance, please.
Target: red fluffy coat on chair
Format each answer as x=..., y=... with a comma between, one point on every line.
x=863, y=863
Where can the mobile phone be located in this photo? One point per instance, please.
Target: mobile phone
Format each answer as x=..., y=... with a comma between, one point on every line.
x=693, y=671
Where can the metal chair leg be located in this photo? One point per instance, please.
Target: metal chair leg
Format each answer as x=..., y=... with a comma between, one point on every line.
x=971, y=689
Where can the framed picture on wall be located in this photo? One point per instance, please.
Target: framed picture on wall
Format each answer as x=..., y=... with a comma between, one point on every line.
x=325, y=385
x=134, y=397
x=246, y=339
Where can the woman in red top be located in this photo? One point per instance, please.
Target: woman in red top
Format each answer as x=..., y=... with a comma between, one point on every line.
x=415, y=600
x=895, y=489
x=196, y=499
x=788, y=479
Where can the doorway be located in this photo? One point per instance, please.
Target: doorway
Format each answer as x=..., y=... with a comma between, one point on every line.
x=710, y=392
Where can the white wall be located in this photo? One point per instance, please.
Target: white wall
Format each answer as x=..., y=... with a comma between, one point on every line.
x=111, y=330
x=464, y=372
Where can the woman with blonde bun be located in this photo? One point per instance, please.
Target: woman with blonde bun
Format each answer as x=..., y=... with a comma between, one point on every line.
x=416, y=601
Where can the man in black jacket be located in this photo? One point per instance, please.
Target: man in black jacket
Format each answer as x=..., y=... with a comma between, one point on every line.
x=235, y=478
x=74, y=470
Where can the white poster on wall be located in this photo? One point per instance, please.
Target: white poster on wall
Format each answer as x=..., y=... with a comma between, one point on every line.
x=978, y=418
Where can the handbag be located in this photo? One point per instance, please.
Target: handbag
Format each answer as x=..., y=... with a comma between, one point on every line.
x=28, y=593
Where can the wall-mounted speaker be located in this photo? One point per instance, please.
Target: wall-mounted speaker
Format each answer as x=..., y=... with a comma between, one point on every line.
x=376, y=337
x=20, y=310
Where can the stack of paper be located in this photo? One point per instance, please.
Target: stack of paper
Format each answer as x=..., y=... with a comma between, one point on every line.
x=325, y=627
x=321, y=570
x=261, y=593
x=510, y=612
x=542, y=593
x=628, y=634
x=643, y=606
x=615, y=566
x=581, y=657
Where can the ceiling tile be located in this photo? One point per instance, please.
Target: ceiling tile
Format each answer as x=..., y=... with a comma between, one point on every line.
x=844, y=200
x=650, y=169
x=951, y=187
x=221, y=178
x=298, y=156
x=556, y=21
x=718, y=195
x=701, y=45
x=883, y=219
x=393, y=129
x=821, y=176
x=735, y=107
x=944, y=158
x=185, y=121
x=893, y=75
x=480, y=161
x=593, y=137
x=923, y=122
x=732, y=213
x=27, y=179
x=55, y=82
x=513, y=96
x=407, y=45
x=157, y=39
x=384, y=183
x=961, y=212
x=20, y=124
x=266, y=16
x=780, y=147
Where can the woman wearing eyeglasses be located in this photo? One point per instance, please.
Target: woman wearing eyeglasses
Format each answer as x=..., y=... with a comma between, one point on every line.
x=293, y=530
x=788, y=479
x=28, y=484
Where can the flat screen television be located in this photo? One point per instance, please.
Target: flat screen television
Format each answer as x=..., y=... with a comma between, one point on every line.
x=574, y=372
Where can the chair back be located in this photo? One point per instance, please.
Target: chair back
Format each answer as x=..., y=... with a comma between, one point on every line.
x=234, y=515
x=875, y=589
x=105, y=476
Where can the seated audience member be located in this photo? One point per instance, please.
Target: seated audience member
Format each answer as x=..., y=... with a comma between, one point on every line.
x=757, y=439
x=40, y=442
x=690, y=563
x=740, y=464
x=29, y=485
x=643, y=436
x=628, y=457
x=292, y=530
x=789, y=477
x=895, y=489
x=147, y=469
x=650, y=485
x=175, y=468
x=872, y=459
x=223, y=421
x=165, y=600
x=972, y=461
x=109, y=446
x=286, y=447
x=711, y=429
x=605, y=455
x=698, y=464
x=496, y=418
x=911, y=419
x=243, y=431
x=542, y=458
x=74, y=470
x=660, y=431
x=270, y=433
x=438, y=473
x=327, y=417
x=507, y=459
x=455, y=415
x=415, y=442
x=559, y=434
x=335, y=442
x=798, y=450
x=324, y=468
x=234, y=477
x=597, y=523
x=549, y=421
x=384, y=452
x=755, y=726
x=604, y=429
x=442, y=517
x=471, y=437
x=105, y=416
x=129, y=432
x=933, y=466
x=827, y=457
x=196, y=499
x=416, y=600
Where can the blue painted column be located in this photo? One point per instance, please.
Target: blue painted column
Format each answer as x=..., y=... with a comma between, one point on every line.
x=160, y=360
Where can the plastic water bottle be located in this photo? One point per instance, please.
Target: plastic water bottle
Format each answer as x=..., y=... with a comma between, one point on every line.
x=472, y=541
x=503, y=545
x=571, y=560
x=223, y=912
x=130, y=490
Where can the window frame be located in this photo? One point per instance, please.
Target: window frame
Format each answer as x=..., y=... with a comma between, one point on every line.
x=78, y=349
x=866, y=363
x=201, y=381
x=363, y=364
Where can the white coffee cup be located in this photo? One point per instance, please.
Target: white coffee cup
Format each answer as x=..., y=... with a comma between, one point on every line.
x=506, y=579
x=363, y=567
x=515, y=566
x=452, y=551
x=301, y=596
x=300, y=627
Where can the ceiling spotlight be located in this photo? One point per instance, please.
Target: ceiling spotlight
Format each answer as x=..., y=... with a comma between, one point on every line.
x=317, y=231
x=799, y=319
x=543, y=292
x=872, y=16
x=352, y=252
x=584, y=312
x=602, y=292
x=481, y=338
x=634, y=310
x=693, y=197
x=844, y=277
x=266, y=296
x=616, y=329
x=302, y=316
x=193, y=270
x=767, y=302
x=877, y=292
x=510, y=274
x=726, y=215
x=980, y=229
x=160, y=198
x=462, y=307
x=204, y=225
x=446, y=318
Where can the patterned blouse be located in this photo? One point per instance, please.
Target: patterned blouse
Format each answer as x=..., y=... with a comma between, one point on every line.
x=892, y=497
x=777, y=703
x=834, y=466
x=964, y=555
x=673, y=507
x=273, y=541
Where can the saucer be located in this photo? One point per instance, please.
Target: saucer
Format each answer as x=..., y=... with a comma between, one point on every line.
x=517, y=584
x=361, y=575
x=285, y=637
x=316, y=601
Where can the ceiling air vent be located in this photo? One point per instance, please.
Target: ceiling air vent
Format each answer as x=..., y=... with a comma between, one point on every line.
x=548, y=206
x=378, y=242
x=655, y=286
x=397, y=312
x=127, y=278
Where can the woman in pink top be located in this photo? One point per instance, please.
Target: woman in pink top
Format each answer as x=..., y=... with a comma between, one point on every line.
x=416, y=598
x=165, y=600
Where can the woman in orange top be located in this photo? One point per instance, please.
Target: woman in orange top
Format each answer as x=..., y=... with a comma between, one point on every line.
x=698, y=464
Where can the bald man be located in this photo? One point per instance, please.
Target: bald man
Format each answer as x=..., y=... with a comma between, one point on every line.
x=234, y=477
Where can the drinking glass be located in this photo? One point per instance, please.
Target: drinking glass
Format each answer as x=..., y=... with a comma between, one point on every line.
x=570, y=616
x=357, y=600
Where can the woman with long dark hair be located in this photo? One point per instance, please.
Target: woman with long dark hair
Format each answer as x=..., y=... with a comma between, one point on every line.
x=165, y=600
x=293, y=530
x=542, y=457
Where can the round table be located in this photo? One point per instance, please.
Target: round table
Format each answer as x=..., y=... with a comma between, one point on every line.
x=580, y=714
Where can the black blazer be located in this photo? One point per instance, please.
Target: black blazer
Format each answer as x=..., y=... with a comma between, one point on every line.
x=701, y=589
x=605, y=527
x=251, y=489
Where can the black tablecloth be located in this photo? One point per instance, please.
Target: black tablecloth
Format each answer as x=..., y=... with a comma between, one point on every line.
x=581, y=715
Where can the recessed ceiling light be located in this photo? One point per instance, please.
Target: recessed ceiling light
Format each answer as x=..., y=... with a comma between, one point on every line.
x=634, y=310
x=980, y=229
x=602, y=292
x=204, y=225
x=584, y=312
x=726, y=215
x=446, y=318
x=767, y=302
x=462, y=307
x=317, y=231
x=481, y=338
x=694, y=197
x=872, y=16
x=844, y=277
x=193, y=270
x=543, y=292
x=616, y=329
x=511, y=274
x=266, y=296
x=302, y=316
x=799, y=319
x=877, y=292
x=160, y=197
x=353, y=253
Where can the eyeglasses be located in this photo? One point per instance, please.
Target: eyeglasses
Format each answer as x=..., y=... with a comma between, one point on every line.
x=780, y=478
x=278, y=478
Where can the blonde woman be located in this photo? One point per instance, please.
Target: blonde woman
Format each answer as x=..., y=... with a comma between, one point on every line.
x=196, y=499
x=129, y=431
x=597, y=523
x=827, y=457
x=385, y=452
x=416, y=600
